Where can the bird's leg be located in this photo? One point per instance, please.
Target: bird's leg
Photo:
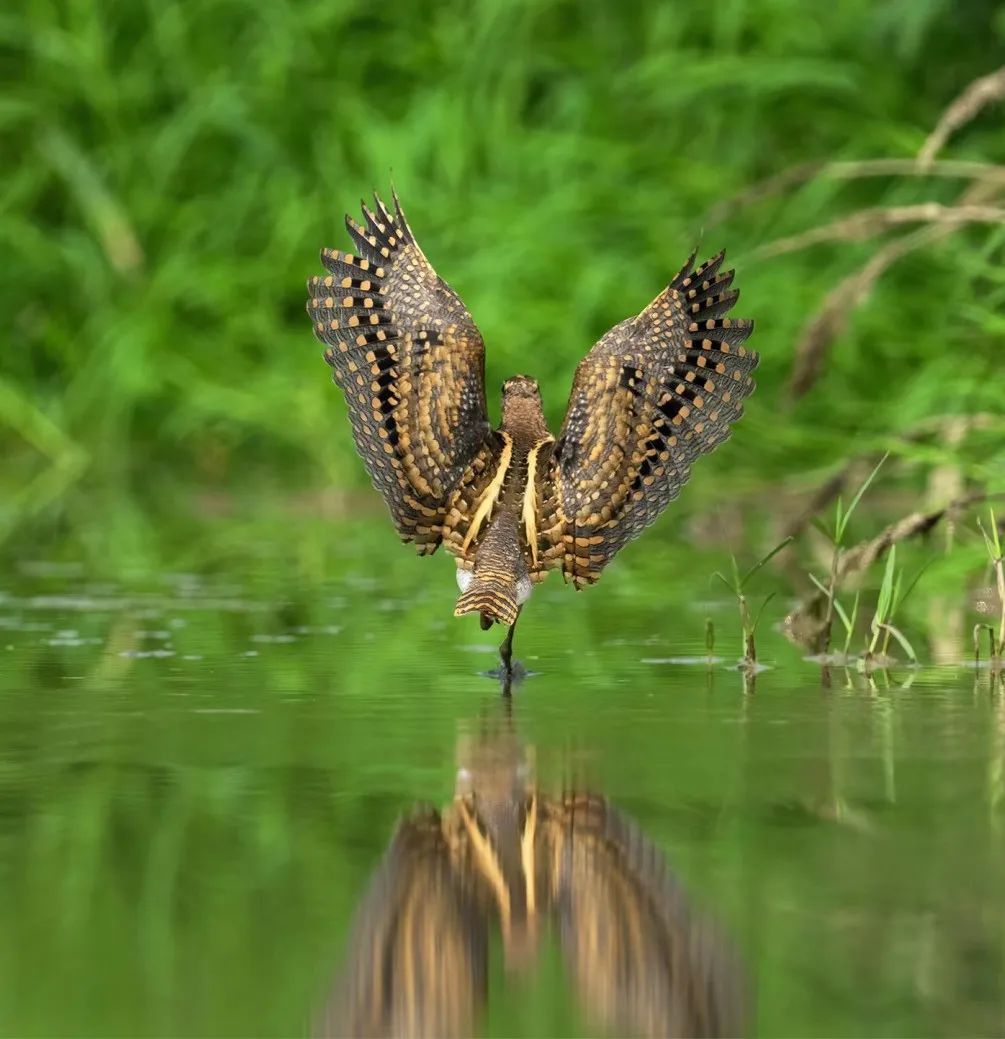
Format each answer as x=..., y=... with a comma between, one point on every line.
x=506, y=651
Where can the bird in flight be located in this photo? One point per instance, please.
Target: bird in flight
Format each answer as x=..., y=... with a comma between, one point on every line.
x=511, y=503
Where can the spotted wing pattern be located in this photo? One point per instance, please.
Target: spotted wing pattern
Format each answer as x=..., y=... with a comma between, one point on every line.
x=653, y=394
x=641, y=959
x=411, y=363
x=417, y=962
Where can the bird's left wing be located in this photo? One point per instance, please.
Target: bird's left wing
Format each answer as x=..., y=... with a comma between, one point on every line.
x=418, y=956
x=655, y=393
x=411, y=363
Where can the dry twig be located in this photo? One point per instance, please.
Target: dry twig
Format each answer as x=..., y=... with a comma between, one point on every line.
x=977, y=204
x=840, y=303
x=954, y=169
x=945, y=427
x=869, y=222
x=829, y=321
x=860, y=557
x=966, y=107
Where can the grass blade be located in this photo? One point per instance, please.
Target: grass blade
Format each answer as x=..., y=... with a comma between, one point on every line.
x=765, y=559
x=721, y=576
x=842, y=521
x=840, y=611
x=902, y=639
x=760, y=610
x=736, y=574
x=992, y=540
x=838, y=608
x=886, y=589
x=910, y=588
x=819, y=524
x=851, y=625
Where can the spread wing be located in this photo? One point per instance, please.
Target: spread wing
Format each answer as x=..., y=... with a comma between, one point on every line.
x=641, y=961
x=653, y=394
x=411, y=363
x=418, y=958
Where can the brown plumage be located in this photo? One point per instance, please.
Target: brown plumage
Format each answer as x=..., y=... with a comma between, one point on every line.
x=506, y=854
x=656, y=392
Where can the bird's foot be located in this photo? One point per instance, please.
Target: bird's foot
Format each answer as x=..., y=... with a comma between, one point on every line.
x=510, y=674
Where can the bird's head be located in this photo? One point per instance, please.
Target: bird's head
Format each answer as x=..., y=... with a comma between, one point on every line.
x=520, y=386
x=521, y=407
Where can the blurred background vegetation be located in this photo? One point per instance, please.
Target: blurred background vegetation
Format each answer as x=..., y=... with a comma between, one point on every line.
x=171, y=169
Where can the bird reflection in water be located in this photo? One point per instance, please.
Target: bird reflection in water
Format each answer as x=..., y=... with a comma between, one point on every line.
x=504, y=853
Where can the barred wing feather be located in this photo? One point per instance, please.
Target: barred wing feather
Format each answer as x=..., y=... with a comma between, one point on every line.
x=654, y=394
x=411, y=363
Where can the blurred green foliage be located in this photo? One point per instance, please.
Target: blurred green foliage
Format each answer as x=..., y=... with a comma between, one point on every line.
x=173, y=167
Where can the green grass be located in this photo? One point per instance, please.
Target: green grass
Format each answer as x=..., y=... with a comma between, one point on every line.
x=835, y=534
x=892, y=595
x=993, y=544
x=738, y=584
x=179, y=165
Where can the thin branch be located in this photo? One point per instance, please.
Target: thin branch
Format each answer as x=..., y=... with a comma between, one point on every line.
x=840, y=303
x=860, y=557
x=830, y=320
x=943, y=426
x=869, y=222
x=776, y=184
x=779, y=183
x=981, y=92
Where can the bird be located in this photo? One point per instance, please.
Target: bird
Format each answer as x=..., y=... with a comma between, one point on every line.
x=509, y=857
x=513, y=502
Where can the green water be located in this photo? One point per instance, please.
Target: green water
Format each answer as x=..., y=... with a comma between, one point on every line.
x=200, y=774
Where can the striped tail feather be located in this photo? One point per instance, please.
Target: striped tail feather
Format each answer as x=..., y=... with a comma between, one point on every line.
x=495, y=598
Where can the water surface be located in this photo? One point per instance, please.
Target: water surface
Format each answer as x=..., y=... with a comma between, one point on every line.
x=200, y=777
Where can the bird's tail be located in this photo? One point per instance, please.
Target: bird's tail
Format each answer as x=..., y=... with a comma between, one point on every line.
x=494, y=597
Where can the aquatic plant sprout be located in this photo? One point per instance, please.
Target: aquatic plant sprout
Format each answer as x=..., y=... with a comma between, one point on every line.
x=836, y=537
x=737, y=584
x=992, y=541
x=892, y=596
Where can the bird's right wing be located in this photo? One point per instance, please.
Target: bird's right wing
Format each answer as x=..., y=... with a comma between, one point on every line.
x=641, y=961
x=655, y=393
x=411, y=363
